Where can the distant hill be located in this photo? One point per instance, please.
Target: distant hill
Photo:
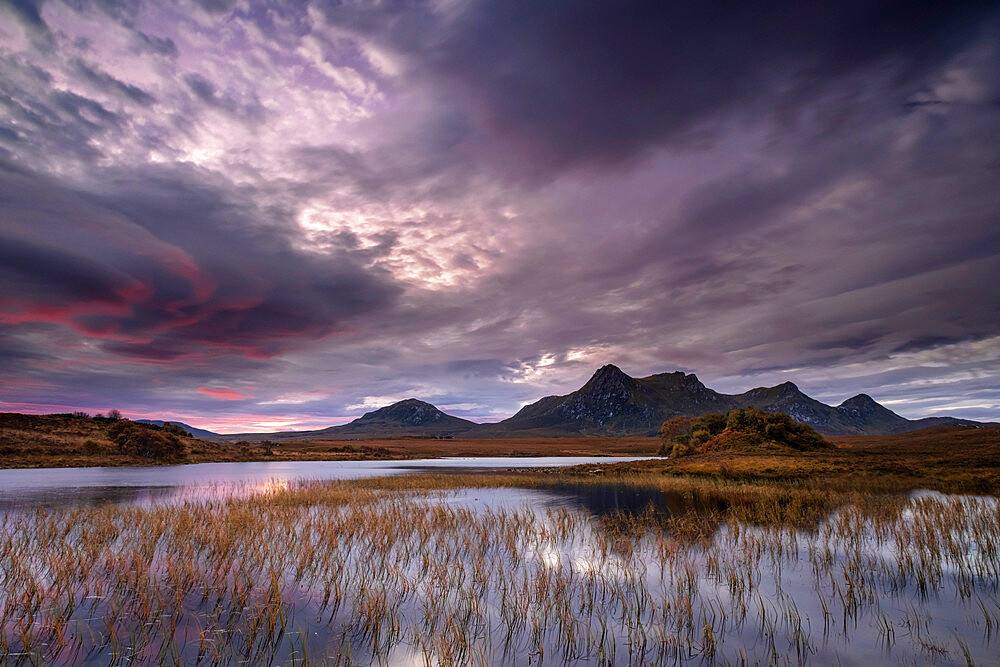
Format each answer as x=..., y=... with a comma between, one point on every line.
x=196, y=432
x=411, y=417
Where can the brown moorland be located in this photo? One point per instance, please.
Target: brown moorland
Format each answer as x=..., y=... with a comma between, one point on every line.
x=951, y=459
x=43, y=441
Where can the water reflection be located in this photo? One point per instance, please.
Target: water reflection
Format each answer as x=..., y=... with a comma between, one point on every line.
x=603, y=499
x=52, y=487
x=607, y=499
x=85, y=495
x=497, y=576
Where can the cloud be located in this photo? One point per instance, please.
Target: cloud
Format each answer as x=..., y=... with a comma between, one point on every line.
x=573, y=82
x=125, y=270
x=322, y=205
x=224, y=394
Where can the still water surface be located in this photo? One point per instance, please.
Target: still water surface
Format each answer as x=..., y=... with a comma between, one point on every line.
x=50, y=487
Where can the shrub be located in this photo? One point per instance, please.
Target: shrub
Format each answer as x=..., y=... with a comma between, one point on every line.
x=140, y=440
x=740, y=429
x=174, y=429
x=676, y=426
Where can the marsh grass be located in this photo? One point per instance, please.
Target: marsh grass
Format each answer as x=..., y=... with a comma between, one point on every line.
x=387, y=570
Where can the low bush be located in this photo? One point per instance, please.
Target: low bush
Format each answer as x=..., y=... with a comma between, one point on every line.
x=146, y=441
x=736, y=430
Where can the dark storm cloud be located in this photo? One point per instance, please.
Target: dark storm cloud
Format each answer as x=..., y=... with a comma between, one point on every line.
x=602, y=81
x=479, y=202
x=162, y=265
x=27, y=12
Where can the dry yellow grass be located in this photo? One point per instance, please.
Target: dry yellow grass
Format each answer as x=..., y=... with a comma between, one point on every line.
x=377, y=571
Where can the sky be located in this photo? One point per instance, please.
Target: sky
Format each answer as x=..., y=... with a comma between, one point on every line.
x=278, y=215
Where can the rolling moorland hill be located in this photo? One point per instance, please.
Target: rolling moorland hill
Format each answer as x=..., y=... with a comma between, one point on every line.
x=75, y=440
x=612, y=403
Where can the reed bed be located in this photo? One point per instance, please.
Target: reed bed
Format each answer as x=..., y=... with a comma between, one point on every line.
x=392, y=571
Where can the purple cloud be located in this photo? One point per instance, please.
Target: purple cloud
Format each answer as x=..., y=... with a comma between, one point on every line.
x=317, y=207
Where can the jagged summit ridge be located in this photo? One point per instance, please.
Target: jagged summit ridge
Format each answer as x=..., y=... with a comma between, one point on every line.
x=614, y=403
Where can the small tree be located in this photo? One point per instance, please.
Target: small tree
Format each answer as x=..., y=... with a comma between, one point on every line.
x=114, y=415
x=267, y=447
x=675, y=426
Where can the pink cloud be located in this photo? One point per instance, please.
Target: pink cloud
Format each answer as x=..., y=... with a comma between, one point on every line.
x=224, y=394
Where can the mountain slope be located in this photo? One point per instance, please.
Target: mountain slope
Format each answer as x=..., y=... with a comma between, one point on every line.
x=613, y=403
x=853, y=416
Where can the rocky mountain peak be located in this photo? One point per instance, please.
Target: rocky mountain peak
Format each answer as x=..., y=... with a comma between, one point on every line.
x=609, y=371
x=783, y=391
x=863, y=404
x=608, y=378
x=412, y=412
x=691, y=381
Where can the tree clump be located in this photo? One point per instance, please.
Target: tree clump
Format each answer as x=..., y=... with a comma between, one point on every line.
x=743, y=429
x=147, y=440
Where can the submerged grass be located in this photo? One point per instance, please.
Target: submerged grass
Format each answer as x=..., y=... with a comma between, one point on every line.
x=389, y=570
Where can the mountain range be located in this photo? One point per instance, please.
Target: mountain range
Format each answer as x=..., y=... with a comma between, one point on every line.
x=612, y=403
